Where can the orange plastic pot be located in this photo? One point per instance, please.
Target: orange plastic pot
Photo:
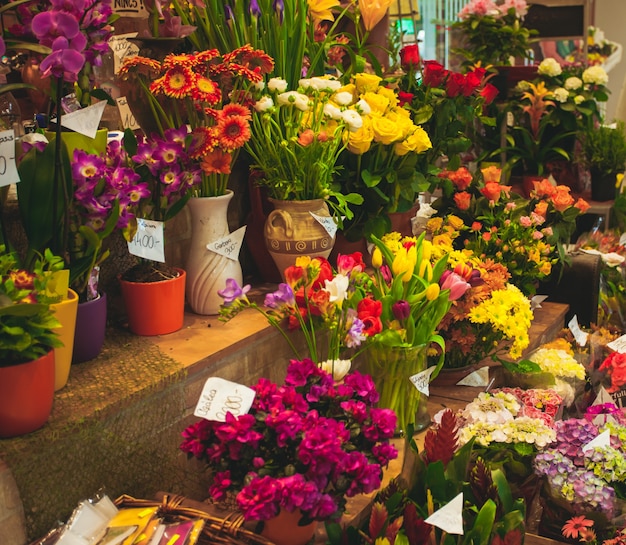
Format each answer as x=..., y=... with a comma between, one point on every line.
x=26, y=395
x=155, y=308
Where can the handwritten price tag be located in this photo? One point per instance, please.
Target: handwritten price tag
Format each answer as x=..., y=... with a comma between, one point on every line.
x=220, y=396
x=229, y=245
x=127, y=117
x=8, y=168
x=422, y=380
x=122, y=48
x=328, y=223
x=148, y=240
x=580, y=336
x=619, y=344
x=86, y=120
x=450, y=517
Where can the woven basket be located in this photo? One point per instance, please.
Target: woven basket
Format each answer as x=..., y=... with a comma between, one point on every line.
x=228, y=530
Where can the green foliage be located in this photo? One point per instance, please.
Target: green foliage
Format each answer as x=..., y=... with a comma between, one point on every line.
x=604, y=149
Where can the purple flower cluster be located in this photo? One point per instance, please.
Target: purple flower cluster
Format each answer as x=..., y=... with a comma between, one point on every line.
x=164, y=163
x=584, y=490
x=76, y=31
x=306, y=445
x=571, y=435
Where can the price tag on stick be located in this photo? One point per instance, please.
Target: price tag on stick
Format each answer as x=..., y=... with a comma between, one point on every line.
x=8, y=168
x=148, y=240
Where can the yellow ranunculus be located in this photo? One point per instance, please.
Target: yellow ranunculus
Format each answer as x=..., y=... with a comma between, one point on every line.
x=455, y=222
x=385, y=131
x=366, y=82
x=360, y=141
x=321, y=10
x=378, y=103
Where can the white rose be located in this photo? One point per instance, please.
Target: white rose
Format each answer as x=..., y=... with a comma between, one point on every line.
x=549, y=67
x=277, y=85
x=264, y=104
x=573, y=83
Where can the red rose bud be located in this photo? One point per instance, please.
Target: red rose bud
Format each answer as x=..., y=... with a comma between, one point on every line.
x=401, y=309
x=405, y=98
x=434, y=74
x=489, y=93
x=455, y=84
x=409, y=56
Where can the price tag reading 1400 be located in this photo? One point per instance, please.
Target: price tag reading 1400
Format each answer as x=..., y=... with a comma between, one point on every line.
x=220, y=396
x=8, y=168
x=148, y=240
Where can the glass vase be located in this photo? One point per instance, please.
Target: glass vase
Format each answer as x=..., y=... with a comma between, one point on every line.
x=391, y=368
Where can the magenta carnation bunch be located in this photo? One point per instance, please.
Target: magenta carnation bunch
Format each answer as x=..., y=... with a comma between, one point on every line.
x=307, y=445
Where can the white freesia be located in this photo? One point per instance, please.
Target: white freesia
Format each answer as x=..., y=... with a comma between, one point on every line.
x=264, y=104
x=352, y=119
x=550, y=67
x=277, y=85
x=337, y=288
x=572, y=83
x=343, y=98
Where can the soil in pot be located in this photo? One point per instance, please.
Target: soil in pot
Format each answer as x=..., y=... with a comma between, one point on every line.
x=149, y=271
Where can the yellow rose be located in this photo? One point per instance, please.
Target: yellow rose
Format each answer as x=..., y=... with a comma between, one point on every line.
x=545, y=268
x=366, y=82
x=378, y=103
x=390, y=94
x=422, y=139
x=385, y=131
x=455, y=221
x=360, y=141
x=404, y=122
x=414, y=143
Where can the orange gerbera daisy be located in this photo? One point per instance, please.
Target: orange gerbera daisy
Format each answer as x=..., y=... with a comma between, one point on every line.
x=138, y=63
x=207, y=55
x=235, y=108
x=172, y=60
x=179, y=82
x=203, y=141
x=233, y=132
x=256, y=60
x=216, y=162
x=206, y=90
x=574, y=526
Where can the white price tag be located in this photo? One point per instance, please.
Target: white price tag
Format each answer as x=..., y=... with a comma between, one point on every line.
x=122, y=48
x=327, y=222
x=580, y=336
x=450, y=517
x=536, y=301
x=602, y=440
x=220, y=396
x=422, y=380
x=8, y=168
x=478, y=378
x=229, y=245
x=148, y=240
x=127, y=117
x=86, y=120
x=619, y=344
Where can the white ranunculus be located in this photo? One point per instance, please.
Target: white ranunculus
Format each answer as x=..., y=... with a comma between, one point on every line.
x=264, y=104
x=353, y=119
x=343, y=98
x=572, y=83
x=330, y=110
x=363, y=107
x=613, y=259
x=277, y=85
x=550, y=67
x=302, y=102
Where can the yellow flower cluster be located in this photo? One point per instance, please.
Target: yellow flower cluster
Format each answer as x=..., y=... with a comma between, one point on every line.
x=508, y=311
x=558, y=363
x=385, y=122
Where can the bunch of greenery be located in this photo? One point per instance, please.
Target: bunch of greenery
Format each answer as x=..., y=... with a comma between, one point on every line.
x=605, y=149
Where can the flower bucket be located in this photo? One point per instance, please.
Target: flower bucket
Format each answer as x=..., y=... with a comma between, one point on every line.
x=284, y=529
x=155, y=308
x=26, y=395
x=65, y=312
x=76, y=140
x=91, y=320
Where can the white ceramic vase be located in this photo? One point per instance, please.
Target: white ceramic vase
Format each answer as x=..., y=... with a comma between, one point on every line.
x=207, y=270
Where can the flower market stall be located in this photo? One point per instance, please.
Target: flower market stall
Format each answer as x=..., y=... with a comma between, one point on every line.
x=407, y=375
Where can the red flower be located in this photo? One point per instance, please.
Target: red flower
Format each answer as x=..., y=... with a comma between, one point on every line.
x=369, y=307
x=372, y=325
x=471, y=82
x=409, y=56
x=493, y=190
x=405, y=98
x=455, y=84
x=434, y=74
x=489, y=93
x=462, y=200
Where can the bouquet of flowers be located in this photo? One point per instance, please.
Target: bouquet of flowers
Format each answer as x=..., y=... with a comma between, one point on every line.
x=493, y=32
x=307, y=445
x=526, y=235
x=210, y=94
x=316, y=301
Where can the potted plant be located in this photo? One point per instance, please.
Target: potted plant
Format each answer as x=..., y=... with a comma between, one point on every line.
x=604, y=150
x=27, y=340
x=303, y=448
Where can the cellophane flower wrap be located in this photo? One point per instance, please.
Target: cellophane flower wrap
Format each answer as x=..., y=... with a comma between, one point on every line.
x=322, y=303
x=309, y=444
x=526, y=235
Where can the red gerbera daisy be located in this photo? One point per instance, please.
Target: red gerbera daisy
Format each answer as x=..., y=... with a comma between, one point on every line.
x=138, y=63
x=202, y=142
x=235, y=108
x=207, y=55
x=179, y=82
x=205, y=90
x=233, y=132
x=173, y=60
x=216, y=162
x=258, y=61
x=243, y=71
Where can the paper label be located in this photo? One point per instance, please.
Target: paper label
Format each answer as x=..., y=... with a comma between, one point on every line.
x=229, y=245
x=536, y=301
x=602, y=440
x=619, y=344
x=220, y=396
x=580, y=336
x=450, y=517
x=148, y=240
x=129, y=8
x=122, y=48
x=127, y=117
x=422, y=380
x=327, y=222
x=479, y=378
x=86, y=120
x=8, y=168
